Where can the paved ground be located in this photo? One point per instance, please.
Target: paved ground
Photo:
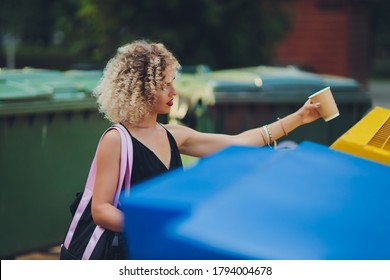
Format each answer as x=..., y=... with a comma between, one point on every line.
x=50, y=254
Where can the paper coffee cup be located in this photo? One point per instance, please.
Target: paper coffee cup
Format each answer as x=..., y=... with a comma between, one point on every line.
x=328, y=108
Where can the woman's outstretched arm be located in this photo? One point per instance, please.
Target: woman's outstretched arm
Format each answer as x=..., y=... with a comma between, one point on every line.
x=198, y=144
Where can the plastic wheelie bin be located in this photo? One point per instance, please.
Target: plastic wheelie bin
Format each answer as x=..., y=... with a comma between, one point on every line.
x=48, y=137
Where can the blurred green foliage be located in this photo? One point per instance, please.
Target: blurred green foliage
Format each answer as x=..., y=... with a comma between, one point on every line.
x=221, y=33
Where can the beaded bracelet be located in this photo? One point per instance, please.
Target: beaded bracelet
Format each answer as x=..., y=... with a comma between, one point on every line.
x=269, y=136
x=263, y=137
x=268, y=139
x=269, y=133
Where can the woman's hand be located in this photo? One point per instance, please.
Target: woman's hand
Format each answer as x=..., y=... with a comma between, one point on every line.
x=309, y=112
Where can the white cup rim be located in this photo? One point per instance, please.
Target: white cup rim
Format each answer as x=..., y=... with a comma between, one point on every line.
x=318, y=92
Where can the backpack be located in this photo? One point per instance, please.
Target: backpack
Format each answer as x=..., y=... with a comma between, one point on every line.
x=84, y=239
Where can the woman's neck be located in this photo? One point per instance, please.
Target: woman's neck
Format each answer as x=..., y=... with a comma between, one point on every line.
x=145, y=123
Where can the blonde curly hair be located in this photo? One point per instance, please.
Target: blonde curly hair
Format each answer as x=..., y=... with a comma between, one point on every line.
x=126, y=91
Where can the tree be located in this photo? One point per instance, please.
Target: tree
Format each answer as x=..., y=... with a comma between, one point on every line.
x=32, y=21
x=221, y=33
x=33, y=25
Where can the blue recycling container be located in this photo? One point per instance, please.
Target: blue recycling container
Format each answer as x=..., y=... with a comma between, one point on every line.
x=306, y=203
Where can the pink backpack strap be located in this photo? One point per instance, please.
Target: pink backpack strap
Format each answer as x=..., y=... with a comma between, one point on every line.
x=124, y=177
x=125, y=164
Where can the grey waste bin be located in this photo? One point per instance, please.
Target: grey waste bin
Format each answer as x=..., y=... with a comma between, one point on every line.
x=230, y=101
x=48, y=137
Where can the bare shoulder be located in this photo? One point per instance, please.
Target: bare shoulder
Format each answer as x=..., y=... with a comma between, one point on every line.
x=112, y=136
x=179, y=132
x=179, y=129
x=111, y=142
x=175, y=127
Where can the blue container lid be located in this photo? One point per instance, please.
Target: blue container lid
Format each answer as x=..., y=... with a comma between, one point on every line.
x=310, y=202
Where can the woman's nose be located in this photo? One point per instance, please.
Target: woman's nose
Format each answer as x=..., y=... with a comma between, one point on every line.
x=172, y=91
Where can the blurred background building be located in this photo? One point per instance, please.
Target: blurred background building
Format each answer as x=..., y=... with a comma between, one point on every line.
x=329, y=36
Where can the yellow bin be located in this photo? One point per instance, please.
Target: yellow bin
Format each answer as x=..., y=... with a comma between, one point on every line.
x=369, y=138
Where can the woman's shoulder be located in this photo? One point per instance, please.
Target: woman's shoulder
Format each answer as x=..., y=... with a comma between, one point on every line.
x=112, y=137
x=180, y=132
x=175, y=129
x=109, y=147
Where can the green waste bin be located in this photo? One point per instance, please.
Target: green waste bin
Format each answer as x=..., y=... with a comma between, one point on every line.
x=230, y=101
x=84, y=80
x=49, y=130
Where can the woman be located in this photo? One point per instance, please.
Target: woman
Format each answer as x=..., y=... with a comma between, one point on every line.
x=137, y=86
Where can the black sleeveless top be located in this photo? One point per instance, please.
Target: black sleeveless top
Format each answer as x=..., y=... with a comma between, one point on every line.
x=147, y=165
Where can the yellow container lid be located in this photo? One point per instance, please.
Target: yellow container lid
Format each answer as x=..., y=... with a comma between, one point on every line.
x=369, y=138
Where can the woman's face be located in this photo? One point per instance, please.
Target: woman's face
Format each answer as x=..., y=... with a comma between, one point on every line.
x=165, y=96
